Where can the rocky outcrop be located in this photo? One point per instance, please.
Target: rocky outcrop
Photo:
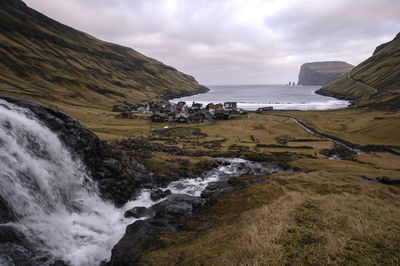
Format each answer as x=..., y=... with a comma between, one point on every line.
x=337, y=95
x=322, y=73
x=168, y=217
x=384, y=45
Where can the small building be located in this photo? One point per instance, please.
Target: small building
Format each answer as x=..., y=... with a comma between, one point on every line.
x=182, y=117
x=235, y=113
x=125, y=114
x=143, y=107
x=265, y=109
x=230, y=105
x=212, y=106
x=196, y=106
x=158, y=117
x=197, y=117
x=222, y=114
x=181, y=106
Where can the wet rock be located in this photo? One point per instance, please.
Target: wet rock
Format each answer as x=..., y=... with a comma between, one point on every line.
x=138, y=236
x=159, y=194
x=132, y=244
x=340, y=152
x=19, y=250
x=216, y=189
x=119, y=191
x=178, y=208
x=59, y=263
x=112, y=165
x=6, y=214
x=136, y=212
x=177, y=205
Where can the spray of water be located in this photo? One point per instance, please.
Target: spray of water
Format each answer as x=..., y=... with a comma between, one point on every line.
x=57, y=205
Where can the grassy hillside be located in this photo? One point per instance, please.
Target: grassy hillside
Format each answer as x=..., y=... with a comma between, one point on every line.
x=381, y=71
x=45, y=61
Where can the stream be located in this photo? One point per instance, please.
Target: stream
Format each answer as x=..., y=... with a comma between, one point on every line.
x=297, y=122
x=50, y=207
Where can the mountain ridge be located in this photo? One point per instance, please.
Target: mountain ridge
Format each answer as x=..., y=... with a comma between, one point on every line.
x=49, y=62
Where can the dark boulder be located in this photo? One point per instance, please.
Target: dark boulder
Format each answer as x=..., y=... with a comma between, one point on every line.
x=6, y=214
x=138, y=236
x=112, y=165
x=159, y=194
x=19, y=250
x=134, y=241
x=177, y=205
x=136, y=212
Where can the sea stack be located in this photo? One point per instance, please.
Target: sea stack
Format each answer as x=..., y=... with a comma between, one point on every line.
x=322, y=73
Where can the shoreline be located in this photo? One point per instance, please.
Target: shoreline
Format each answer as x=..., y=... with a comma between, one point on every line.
x=281, y=104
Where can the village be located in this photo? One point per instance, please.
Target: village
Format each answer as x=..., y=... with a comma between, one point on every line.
x=178, y=112
x=181, y=112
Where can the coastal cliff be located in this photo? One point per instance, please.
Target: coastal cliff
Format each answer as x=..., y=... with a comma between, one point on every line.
x=322, y=73
x=375, y=82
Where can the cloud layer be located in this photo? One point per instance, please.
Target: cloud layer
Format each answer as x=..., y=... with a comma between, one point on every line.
x=235, y=41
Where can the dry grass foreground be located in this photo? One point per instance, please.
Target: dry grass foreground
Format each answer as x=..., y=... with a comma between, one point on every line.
x=295, y=218
x=324, y=212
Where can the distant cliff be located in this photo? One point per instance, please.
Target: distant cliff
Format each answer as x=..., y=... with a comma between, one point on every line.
x=322, y=73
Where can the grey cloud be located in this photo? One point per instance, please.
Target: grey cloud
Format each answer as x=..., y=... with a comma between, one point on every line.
x=235, y=41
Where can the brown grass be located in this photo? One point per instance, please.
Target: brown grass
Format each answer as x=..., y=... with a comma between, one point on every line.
x=361, y=126
x=296, y=218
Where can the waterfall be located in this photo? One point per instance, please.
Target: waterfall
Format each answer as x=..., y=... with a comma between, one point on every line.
x=58, y=213
x=56, y=204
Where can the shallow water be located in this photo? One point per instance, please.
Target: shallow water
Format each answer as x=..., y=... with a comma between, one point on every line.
x=281, y=97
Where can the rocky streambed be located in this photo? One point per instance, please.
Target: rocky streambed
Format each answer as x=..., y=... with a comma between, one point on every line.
x=164, y=210
x=69, y=198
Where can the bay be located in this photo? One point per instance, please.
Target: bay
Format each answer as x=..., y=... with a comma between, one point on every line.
x=280, y=97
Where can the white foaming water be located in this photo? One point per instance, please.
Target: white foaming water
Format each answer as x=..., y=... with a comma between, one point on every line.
x=57, y=205
x=55, y=201
x=235, y=167
x=280, y=97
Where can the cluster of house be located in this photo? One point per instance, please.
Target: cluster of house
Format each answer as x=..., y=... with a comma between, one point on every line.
x=179, y=112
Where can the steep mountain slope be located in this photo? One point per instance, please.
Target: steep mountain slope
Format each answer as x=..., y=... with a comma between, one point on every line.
x=322, y=73
x=45, y=61
x=375, y=82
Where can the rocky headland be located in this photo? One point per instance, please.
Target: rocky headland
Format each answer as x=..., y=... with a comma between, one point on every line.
x=322, y=73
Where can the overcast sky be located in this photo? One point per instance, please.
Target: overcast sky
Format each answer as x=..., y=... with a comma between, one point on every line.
x=235, y=41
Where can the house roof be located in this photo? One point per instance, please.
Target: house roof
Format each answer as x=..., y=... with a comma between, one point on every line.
x=160, y=115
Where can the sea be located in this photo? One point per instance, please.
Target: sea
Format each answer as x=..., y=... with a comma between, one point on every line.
x=280, y=97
